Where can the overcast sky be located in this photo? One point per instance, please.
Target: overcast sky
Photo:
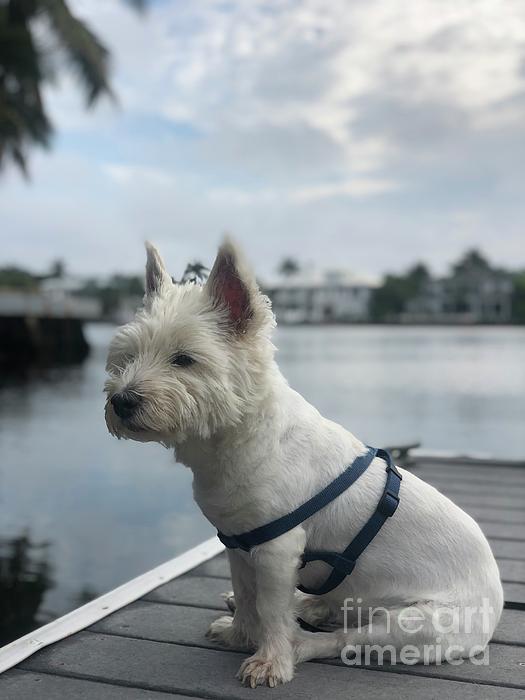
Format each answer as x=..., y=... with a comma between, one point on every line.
x=365, y=134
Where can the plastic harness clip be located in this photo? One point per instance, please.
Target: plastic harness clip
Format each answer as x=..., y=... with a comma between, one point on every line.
x=388, y=504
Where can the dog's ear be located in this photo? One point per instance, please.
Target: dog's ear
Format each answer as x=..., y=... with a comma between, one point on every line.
x=232, y=286
x=156, y=274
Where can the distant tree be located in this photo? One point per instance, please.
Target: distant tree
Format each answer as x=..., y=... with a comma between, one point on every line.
x=127, y=285
x=195, y=272
x=17, y=278
x=34, y=36
x=58, y=269
x=417, y=276
x=289, y=267
x=390, y=299
x=471, y=259
x=518, y=298
x=114, y=291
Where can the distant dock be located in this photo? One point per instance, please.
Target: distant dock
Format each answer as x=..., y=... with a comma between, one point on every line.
x=40, y=328
x=146, y=640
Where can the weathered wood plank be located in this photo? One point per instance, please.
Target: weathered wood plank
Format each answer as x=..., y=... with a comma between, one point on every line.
x=510, y=498
x=181, y=669
x=205, y=592
x=505, y=531
x=474, y=483
x=202, y=591
x=496, y=515
x=25, y=685
x=162, y=623
x=464, y=472
x=470, y=483
x=514, y=593
x=502, y=668
x=508, y=549
x=486, y=500
x=511, y=628
x=512, y=571
x=218, y=567
x=471, y=467
x=179, y=624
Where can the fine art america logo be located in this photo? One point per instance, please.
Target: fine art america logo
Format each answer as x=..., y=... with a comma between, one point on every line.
x=447, y=626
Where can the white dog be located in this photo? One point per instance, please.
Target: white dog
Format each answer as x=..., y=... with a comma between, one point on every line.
x=195, y=371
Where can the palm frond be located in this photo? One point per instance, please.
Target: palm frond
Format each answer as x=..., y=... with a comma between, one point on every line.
x=137, y=4
x=22, y=117
x=24, y=69
x=88, y=55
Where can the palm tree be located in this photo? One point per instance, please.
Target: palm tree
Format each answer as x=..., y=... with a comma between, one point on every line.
x=289, y=267
x=25, y=65
x=195, y=272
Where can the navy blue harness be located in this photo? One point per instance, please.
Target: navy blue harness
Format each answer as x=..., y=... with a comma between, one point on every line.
x=342, y=563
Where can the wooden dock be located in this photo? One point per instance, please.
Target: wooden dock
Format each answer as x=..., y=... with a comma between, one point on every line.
x=43, y=328
x=155, y=647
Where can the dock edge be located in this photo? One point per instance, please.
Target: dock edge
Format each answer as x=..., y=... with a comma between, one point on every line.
x=80, y=618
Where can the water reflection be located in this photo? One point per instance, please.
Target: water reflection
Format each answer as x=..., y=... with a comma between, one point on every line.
x=25, y=576
x=86, y=594
x=109, y=509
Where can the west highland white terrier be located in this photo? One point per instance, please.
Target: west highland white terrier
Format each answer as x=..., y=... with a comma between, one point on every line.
x=195, y=371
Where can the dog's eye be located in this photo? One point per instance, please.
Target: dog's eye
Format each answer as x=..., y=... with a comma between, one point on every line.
x=181, y=360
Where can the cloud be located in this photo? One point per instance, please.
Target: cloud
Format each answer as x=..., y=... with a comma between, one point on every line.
x=363, y=131
x=139, y=174
x=356, y=188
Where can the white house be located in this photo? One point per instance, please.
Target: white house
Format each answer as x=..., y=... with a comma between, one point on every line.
x=332, y=296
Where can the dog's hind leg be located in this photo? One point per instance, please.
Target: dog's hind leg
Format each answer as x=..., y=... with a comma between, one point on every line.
x=419, y=633
x=311, y=609
x=316, y=645
x=423, y=632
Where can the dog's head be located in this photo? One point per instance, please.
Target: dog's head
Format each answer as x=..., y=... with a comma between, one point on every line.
x=195, y=359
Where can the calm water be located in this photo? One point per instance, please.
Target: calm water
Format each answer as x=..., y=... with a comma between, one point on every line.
x=81, y=512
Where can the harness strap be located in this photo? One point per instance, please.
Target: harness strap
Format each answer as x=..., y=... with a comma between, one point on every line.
x=343, y=564
x=278, y=527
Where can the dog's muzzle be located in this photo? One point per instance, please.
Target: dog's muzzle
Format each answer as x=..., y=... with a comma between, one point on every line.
x=125, y=404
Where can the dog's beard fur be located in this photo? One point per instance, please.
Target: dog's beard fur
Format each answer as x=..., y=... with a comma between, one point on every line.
x=224, y=327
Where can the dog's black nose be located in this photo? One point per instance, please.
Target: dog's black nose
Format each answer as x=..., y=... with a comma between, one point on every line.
x=125, y=403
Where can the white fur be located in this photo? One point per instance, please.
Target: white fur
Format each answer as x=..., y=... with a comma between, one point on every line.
x=258, y=450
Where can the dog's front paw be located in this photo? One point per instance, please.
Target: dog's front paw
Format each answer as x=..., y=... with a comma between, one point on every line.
x=257, y=670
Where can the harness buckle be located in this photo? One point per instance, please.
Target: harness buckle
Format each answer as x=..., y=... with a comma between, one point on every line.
x=388, y=504
x=392, y=468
